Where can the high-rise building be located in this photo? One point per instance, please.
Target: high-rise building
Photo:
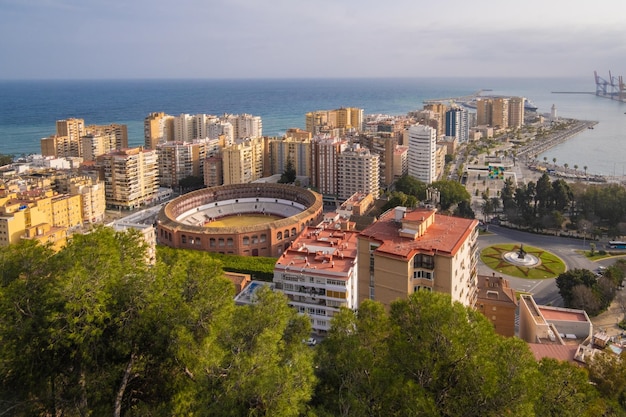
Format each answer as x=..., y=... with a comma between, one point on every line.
x=457, y=124
x=500, y=112
x=400, y=161
x=157, y=128
x=324, y=153
x=92, y=193
x=345, y=118
x=412, y=250
x=130, y=177
x=484, y=110
x=178, y=160
x=117, y=133
x=242, y=163
x=318, y=273
x=516, y=111
x=357, y=172
x=382, y=144
x=298, y=151
x=439, y=110
x=244, y=125
x=66, y=141
x=422, y=153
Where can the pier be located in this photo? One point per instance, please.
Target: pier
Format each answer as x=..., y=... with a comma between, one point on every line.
x=536, y=147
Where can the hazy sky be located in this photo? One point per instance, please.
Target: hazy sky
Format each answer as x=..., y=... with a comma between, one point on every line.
x=297, y=38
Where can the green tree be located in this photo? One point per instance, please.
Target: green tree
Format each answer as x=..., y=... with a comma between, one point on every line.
x=564, y=390
x=6, y=159
x=451, y=192
x=464, y=209
x=257, y=365
x=411, y=186
x=191, y=183
x=427, y=356
x=567, y=281
x=289, y=175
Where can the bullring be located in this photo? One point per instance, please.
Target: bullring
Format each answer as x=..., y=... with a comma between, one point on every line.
x=186, y=222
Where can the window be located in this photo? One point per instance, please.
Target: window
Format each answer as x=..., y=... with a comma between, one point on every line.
x=246, y=240
x=229, y=241
x=212, y=242
x=422, y=274
x=286, y=233
x=255, y=239
x=220, y=242
x=293, y=231
x=263, y=238
x=184, y=239
x=279, y=236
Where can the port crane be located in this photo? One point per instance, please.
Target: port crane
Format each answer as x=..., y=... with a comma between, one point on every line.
x=613, y=87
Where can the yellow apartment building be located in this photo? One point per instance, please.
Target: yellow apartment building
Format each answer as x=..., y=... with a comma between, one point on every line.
x=412, y=250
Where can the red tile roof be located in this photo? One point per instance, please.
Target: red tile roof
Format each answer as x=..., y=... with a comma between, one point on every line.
x=444, y=236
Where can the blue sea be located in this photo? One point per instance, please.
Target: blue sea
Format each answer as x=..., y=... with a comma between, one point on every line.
x=29, y=109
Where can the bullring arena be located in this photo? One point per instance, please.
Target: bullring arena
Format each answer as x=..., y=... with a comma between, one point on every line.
x=239, y=219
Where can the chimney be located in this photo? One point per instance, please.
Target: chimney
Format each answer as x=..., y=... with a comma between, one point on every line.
x=400, y=212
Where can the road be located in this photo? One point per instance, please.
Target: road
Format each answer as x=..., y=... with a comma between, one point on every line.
x=545, y=291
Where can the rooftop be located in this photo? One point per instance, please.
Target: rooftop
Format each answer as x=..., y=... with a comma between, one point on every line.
x=321, y=251
x=562, y=314
x=442, y=234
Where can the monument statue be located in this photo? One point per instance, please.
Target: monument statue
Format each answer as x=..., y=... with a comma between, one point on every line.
x=521, y=253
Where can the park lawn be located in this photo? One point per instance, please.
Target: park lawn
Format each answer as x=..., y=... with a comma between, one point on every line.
x=549, y=267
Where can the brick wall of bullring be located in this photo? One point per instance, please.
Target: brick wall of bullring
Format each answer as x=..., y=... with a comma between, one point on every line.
x=268, y=239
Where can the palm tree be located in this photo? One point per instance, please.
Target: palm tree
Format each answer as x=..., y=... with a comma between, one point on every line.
x=545, y=159
x=576, y=168
x=566, y=165
x=554, y=160
x=585, y=168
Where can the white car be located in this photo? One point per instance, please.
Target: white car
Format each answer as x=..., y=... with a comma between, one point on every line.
x=311, y=341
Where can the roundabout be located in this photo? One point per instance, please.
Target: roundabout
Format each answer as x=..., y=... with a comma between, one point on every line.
x=522, y=261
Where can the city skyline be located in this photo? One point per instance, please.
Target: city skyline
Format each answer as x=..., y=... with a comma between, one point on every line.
x=70, y=39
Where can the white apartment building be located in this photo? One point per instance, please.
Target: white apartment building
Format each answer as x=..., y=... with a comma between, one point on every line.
x=358, y=172
x=422, y=163
x=318, y=273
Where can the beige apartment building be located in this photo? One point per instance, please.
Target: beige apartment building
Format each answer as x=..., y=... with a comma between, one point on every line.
x=242, y=163
x=178, y=160
x=516, y=111
x=158, y=128
x=40, y=215
x=130, y=177
x=412, y=250
x=500, y=113
x=325, y=151
x=92, y=193
x=344, y=118
x=357, y=172
x=74, y=139
x=296, y=150
x=439, y=114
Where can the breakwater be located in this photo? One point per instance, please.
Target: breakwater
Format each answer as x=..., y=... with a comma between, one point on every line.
x=539, y=145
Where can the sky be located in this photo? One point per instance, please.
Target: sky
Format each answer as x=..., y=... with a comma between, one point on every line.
x=122, y=39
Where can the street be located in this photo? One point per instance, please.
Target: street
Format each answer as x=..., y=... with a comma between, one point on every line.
x=544, y=291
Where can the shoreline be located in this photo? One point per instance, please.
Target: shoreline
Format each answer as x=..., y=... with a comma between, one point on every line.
x=533, y=149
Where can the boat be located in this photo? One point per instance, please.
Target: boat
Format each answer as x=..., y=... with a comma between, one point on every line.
x=529, y=105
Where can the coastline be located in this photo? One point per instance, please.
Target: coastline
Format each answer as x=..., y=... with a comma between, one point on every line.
x=533, y=149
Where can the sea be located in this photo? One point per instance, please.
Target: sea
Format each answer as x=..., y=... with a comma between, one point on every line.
x=29, y=109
